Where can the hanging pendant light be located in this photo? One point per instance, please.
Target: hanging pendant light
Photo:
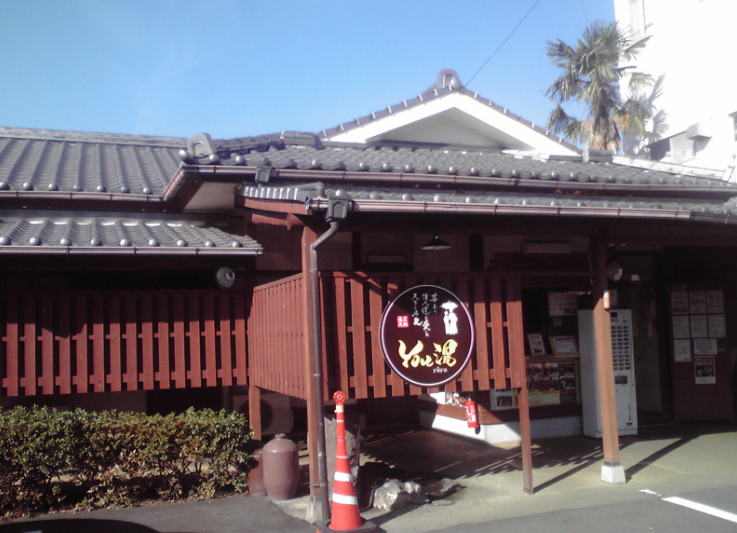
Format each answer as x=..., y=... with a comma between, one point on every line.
x=436, y=243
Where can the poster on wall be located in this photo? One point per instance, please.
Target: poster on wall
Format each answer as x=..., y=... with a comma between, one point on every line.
x=699, y=327
x=715, y=302
x=502, y=400
x=704, y=346
x=697, y=302
x=562, y=304
x=679, y=303
x=717, y=326
x=682, y=350
x=681, y=329
x=704, y=371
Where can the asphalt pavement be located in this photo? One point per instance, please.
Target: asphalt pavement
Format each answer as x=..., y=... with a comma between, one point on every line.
x=694, y=462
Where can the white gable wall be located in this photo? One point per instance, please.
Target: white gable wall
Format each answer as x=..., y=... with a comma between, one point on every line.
x=455, y=118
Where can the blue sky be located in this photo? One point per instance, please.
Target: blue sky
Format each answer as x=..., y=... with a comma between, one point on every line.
x=235, y=68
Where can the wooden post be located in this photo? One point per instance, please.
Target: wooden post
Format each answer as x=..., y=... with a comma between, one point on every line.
x=612, y=471
x=254, y=410
x=315, y=506
x=515, y=334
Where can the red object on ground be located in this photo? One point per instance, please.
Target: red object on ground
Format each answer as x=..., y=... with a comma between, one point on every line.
x=472, y=414
x=345, y=515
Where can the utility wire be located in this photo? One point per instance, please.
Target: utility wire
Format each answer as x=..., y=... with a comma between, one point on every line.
x=503, y=42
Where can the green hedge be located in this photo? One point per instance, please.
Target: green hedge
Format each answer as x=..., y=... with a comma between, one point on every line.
x=52, y=459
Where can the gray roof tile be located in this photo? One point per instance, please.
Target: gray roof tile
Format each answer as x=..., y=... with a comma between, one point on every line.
x=75, y=233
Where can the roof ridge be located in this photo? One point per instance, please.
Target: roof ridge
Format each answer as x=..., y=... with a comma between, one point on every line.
x=438, y=91
x=92, y=137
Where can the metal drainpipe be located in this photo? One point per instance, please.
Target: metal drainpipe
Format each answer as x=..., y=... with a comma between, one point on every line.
x=317, y=343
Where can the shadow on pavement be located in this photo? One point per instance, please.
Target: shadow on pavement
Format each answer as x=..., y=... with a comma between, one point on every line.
x=75, y=525
x=424, y=451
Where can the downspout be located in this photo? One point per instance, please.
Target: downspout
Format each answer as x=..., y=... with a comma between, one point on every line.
x=317, y=343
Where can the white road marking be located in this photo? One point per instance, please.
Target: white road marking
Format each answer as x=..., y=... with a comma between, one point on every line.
x=724, y=515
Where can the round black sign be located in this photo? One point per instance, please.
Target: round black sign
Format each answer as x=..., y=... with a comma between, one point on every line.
x=427, y=335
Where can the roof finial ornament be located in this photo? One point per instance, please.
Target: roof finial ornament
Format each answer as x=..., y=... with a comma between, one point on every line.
x=448, y=78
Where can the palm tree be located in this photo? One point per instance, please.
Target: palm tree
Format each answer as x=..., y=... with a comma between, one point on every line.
x=591, y=74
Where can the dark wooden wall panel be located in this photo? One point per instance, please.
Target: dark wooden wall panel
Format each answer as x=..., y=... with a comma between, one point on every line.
x=106, y=342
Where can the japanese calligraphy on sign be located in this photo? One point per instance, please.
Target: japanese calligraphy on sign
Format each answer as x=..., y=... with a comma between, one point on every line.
x=427, y=335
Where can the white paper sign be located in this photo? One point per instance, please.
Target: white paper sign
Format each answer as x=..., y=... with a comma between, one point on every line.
x=715, y=302
x=681, y=327
x=699, y=327
x=717, y=326
x=697, y=302
x=704, y=346
x=679, y=303
x=682, y=351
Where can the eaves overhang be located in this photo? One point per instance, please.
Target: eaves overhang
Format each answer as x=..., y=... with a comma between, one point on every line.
x=363, y=200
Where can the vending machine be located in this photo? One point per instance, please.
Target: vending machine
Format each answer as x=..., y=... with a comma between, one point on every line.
x=625, y=391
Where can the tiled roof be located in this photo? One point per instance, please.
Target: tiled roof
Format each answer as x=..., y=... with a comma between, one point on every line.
x=457, y=202
x=47, y=160
x=459, y=161
x=23, y=232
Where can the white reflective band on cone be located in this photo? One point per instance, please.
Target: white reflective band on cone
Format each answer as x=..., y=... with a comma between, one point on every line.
x=345, y=500
x=342, y=476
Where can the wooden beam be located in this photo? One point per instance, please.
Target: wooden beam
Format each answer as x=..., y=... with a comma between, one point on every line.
x=272, y=205
x=612, y=471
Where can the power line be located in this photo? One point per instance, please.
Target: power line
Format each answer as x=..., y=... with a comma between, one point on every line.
x=503, y=42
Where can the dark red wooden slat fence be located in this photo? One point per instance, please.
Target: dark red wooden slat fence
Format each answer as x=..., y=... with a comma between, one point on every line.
x=352, y=305
x=105, y=341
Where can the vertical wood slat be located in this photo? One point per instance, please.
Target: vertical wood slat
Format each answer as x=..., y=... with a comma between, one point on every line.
x=325, y=318
x=210, y=342
x=515, y=333
x=482, y=344
x=226, y=352
x=392, y=290
x=359, y=338
x=195, y=368
x=325, y=372
x=463, y=295
x=180, y=369
x=163, y=333
x=116, y=364
x=497, y=333
x=413, y=389
x=341, y=336
x=279, y=322
x=241, y=350
x=131, y=344
x=29, y=345
x=65, y=347
x=81, y=344
x=147, y=342
x=375, y=313
x=47, y=345
x=12, y=351
x=301, y=387
x=97, y=379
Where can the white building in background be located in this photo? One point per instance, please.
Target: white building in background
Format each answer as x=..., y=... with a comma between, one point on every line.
x=692, y=42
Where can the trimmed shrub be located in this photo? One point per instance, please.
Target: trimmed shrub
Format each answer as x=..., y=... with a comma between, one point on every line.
x=55, y=459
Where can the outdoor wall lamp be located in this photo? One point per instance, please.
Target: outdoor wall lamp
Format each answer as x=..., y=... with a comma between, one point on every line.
x=436, y=243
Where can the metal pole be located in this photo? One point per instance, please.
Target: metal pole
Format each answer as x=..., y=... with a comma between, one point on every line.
x=319, y=393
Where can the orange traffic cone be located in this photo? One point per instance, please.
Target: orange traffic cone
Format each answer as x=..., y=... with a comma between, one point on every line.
x=345, y=515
